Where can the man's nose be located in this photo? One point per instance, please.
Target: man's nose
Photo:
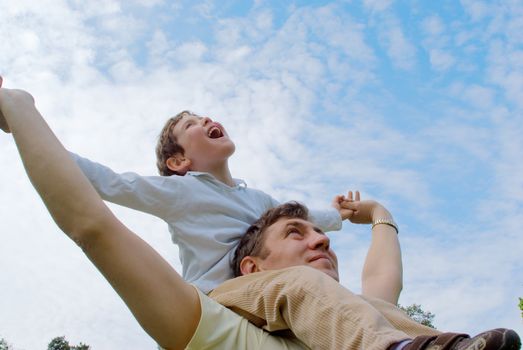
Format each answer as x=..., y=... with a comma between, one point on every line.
x=319, y=241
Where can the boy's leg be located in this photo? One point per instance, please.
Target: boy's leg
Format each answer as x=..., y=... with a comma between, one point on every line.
x=321, y=313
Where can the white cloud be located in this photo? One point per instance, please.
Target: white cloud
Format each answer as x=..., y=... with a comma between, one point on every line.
x=437, y=44
x=475, y=95
x=477, y=10
x=398, y=47
x=441, y=60
x=190, y=52
x=150, y=3
x=433, y=25
x=205, y=8
x=98, y=7
x=377, y=5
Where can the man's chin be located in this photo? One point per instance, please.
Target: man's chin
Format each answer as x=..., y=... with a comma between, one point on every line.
x=328, y=270
x=333, y=274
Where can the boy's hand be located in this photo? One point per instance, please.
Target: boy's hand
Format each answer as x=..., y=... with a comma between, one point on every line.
x=358, y=211
x=345, y=213
x=339, y=202
x=3, y=123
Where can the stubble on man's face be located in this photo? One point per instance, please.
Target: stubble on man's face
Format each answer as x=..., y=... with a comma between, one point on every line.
x=295, y=242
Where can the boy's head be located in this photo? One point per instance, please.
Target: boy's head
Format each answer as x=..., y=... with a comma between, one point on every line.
x=284, y=237
x=191, y=142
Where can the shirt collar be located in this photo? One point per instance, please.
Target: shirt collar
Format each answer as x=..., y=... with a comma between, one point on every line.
x=238, y=182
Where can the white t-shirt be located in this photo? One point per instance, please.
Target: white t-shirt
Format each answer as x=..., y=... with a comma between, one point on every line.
x=220, y=328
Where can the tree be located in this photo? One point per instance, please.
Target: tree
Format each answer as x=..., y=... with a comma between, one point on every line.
x=60, y=343
x=81, y=346
x=4, y=345
x=521, y=306
x=417, y=314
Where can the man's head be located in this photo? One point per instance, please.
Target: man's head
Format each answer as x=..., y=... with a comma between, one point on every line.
x=284, y=237
x=191, y=142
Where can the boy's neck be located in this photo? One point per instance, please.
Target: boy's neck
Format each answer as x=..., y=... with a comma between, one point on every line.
x=222, y=174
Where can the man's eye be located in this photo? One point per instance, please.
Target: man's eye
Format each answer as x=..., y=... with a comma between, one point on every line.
x=293, y=232
x=188, y=125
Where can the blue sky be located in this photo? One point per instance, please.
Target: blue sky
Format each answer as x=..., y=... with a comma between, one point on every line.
x=416, y=104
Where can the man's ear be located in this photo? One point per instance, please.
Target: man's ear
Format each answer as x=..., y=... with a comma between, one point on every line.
x=178, y=163
x=249, y=265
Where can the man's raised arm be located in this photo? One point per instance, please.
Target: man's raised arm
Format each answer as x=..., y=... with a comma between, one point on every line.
x=166, y=307
x=382, y=275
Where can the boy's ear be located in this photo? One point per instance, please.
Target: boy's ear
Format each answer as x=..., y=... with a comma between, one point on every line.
x=178, y=163
x=249, y=265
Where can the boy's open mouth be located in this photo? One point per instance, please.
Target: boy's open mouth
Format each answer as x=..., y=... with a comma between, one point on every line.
x=215, y=132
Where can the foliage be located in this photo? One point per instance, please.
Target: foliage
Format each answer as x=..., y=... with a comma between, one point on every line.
x=81, y=346
x=521, y=306
x=60, y=343
x=4, y=345
x=417, y=314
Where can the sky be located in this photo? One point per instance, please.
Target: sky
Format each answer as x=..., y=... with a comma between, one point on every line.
x=416, y=104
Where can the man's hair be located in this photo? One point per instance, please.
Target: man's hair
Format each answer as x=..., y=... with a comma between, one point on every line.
x=168, y=145
x=252, y=243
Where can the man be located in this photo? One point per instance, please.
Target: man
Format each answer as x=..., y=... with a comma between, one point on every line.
x=285, y=237
x=170, y=310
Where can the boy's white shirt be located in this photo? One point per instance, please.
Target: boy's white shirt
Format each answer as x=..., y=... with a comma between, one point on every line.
x=205, y=216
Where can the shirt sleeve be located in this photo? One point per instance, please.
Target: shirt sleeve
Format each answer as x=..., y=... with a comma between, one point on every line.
x=327, y=220
x=150, y=194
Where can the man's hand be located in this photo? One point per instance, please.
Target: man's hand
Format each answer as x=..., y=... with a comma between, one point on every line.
x=3, y=123
x=11, y=99
x=358, y=211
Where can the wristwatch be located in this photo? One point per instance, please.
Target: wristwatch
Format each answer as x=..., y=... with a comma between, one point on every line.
x=389, y=222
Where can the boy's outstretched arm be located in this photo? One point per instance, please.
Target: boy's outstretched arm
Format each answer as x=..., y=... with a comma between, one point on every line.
x=165, y=306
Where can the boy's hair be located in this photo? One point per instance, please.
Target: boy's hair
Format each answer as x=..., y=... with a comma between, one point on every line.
x=252, y=243
x=168, y=145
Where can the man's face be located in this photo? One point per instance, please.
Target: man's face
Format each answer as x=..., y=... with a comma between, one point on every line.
x=293, y=242
x=205, y=142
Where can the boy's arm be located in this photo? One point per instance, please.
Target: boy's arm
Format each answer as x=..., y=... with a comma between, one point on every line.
x=148, y=194
x=327, y=220
x=382, y=275
x=166, y=307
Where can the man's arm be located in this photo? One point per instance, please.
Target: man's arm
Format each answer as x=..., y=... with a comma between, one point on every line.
x=382, y=275
x=166, y=307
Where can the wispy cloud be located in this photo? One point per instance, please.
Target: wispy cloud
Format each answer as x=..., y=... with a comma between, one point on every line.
x=377, y=5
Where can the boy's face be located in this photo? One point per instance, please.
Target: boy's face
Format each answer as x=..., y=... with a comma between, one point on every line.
x=206, y=143
x=294, y=242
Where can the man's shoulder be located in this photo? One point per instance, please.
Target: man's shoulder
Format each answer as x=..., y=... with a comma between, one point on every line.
x=220, y=328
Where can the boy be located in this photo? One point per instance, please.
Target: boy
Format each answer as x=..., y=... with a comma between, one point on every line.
x=206, y=209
